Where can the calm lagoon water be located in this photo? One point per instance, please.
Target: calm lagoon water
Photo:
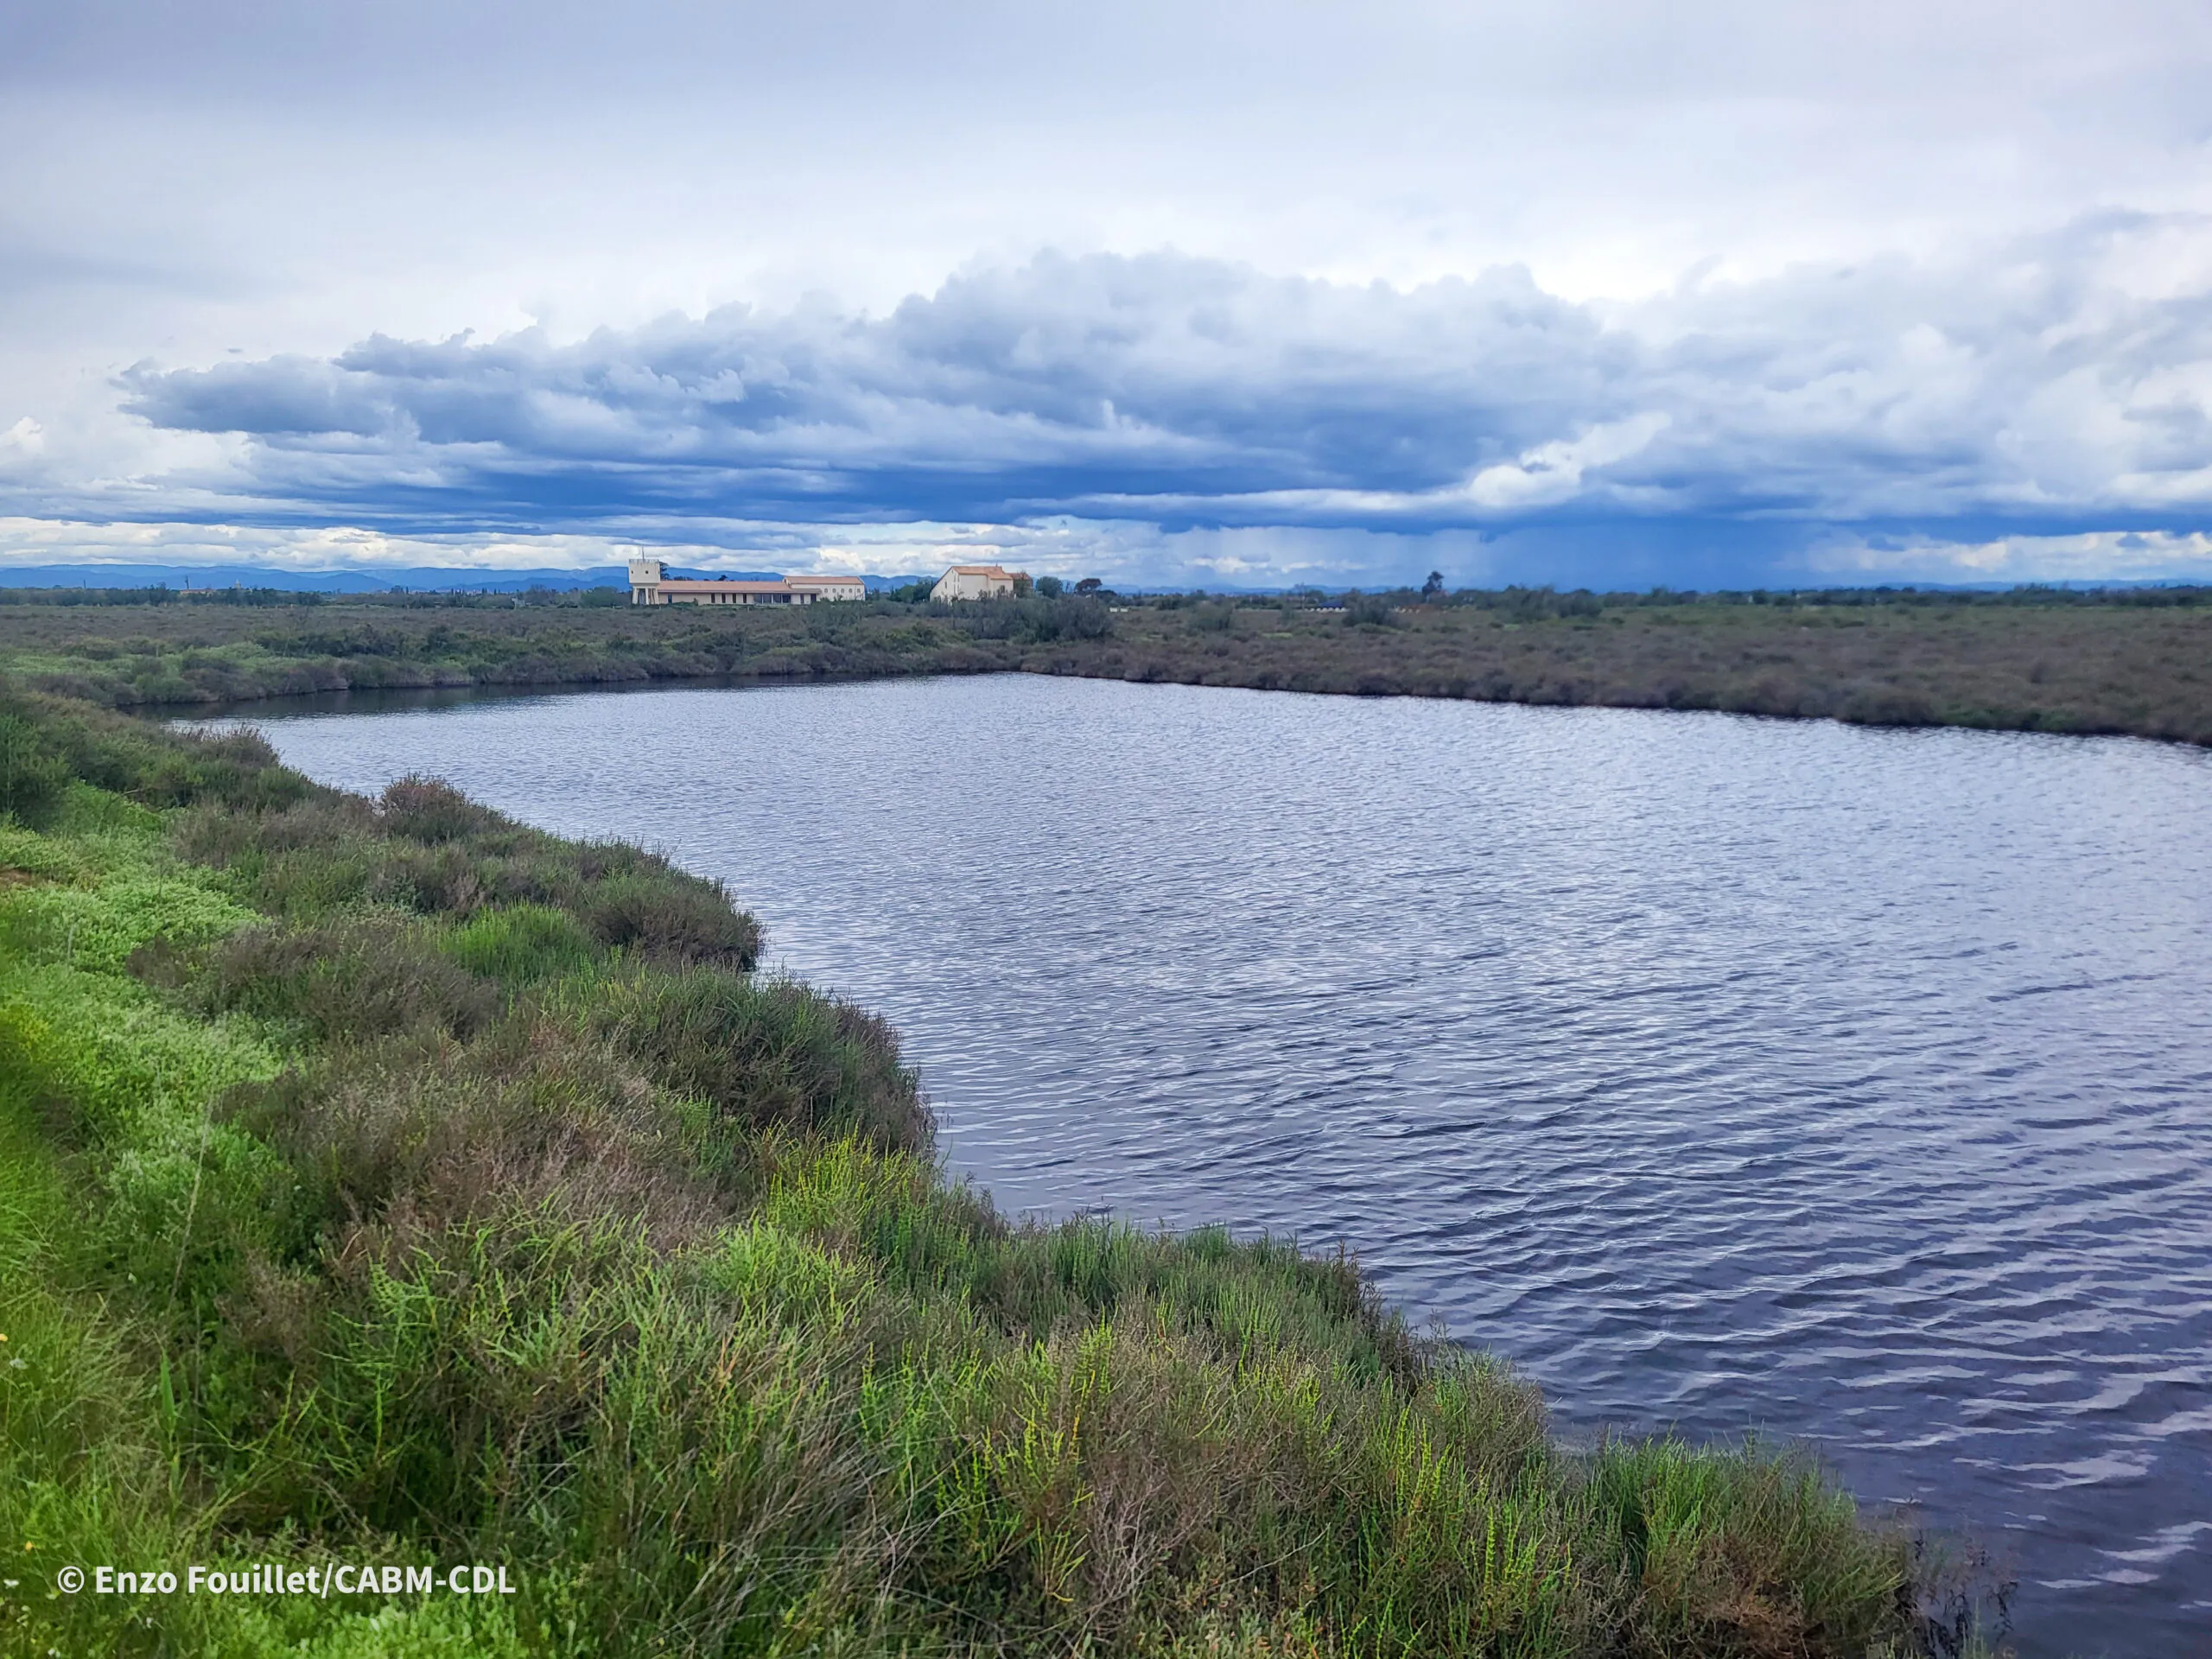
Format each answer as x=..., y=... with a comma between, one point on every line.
x=1847, y=1085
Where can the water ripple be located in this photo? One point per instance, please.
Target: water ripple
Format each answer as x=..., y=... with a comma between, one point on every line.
x=1846, y=1085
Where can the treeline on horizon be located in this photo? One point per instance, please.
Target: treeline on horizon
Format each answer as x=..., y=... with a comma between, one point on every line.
x=1535, y=600
x=386, y=1183
x=2110, y=661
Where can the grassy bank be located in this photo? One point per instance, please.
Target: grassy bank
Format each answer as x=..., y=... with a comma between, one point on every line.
x=2035, y=660
x=386, y=1183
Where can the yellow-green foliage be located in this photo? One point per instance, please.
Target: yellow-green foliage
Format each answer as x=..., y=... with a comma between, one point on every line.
x=100, y=884
x=128, y=1065
x=27, y=856
x=99, y=927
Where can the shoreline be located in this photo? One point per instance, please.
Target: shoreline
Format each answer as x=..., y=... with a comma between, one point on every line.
x=380, y=698
x=2111, y=669
x=420, y=1031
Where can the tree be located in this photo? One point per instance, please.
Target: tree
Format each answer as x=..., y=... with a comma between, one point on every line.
x=1088, y=585
x=1021, y=584
x=1434, y=588
x=1367, y=611
x=1049, y=587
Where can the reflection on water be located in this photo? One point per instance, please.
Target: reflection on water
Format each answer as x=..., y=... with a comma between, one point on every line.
x=1842, y=1085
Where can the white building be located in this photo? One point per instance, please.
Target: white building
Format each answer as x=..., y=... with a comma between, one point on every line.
x=651, y=584
x=828, y=586
x=980, y=582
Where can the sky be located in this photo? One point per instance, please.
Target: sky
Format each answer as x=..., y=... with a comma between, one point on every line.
x=1235, y=295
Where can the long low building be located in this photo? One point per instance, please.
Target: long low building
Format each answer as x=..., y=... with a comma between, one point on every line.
x=651, y=584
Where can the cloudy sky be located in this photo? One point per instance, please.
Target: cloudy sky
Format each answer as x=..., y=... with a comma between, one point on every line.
x=1230, y=295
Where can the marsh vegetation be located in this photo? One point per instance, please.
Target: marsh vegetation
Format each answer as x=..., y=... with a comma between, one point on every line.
x=2137, y=661
x=2040, y=660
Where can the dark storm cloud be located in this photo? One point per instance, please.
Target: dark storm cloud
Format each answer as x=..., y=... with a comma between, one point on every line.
x=2033, y=386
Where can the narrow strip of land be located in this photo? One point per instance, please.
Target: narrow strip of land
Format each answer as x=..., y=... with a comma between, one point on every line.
x=2139, y=663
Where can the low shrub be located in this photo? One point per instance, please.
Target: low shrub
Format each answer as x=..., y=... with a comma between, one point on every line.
x=430, y=809
x=429, y=850
x=396, y=1140
x=150, y=765
x=100, y=926
x=345, y=980
x=29, y=856
x=669, y=917
x=32, y=781
x=767, y=1056
x=129, y=1070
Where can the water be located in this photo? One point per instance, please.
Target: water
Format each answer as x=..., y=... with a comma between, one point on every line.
x=1847, y=1085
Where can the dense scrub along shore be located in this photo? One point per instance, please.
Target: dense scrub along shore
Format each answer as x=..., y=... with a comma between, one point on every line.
x=383, y=1183
x=2136, y=662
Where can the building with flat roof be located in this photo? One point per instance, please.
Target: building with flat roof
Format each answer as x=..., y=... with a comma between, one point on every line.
x=651, y=584
x=980, y=582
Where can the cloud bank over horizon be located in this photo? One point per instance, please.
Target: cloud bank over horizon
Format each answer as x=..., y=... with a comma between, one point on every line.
x=2043, y=395
x=1696, y=295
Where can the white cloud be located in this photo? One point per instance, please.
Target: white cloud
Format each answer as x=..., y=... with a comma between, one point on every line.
x=1553, y=473
x=2097, y=555
x=796, y=548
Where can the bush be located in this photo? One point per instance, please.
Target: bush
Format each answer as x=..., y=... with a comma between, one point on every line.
x=32, y=781
x=395, y=1140
x=776, y=1056
x=1038, y=619
x=667, y=916
x=1368, y=611
x=345, y=980
x=153, y=765
x=431, y=811
x=430, y=849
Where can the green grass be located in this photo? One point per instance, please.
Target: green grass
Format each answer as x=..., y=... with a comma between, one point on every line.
x=521, y=944
x=367, y=1193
